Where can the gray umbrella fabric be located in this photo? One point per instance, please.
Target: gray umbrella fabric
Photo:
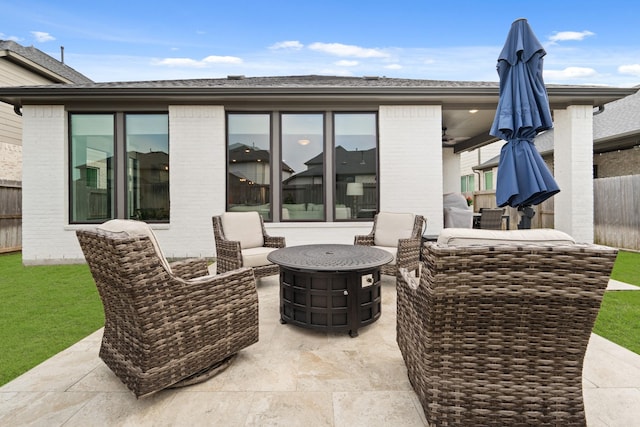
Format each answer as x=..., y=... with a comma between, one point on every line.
x=523, y=112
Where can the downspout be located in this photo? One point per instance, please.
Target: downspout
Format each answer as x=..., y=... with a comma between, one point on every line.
x=16, y=109
x=600, y=110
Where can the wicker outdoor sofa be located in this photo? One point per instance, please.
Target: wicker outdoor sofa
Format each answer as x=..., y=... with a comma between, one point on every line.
x=166, y=324
x=496, y=330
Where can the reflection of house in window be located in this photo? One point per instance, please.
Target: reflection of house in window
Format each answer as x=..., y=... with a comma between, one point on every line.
x=249, y=177
x=148, y=195
x=91, y=190
x=351, y=166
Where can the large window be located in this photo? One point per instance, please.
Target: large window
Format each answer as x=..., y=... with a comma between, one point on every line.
x=356, y=160
x=303, y=145
x=91, y=167
x=114, y=176
x=147, y=138
x=249, y=163
x=327, y=165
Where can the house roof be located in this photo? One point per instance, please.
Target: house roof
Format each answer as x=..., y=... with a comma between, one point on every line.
x=383, y=89
x=618, y=124
x=41, y=63
x=314, y=91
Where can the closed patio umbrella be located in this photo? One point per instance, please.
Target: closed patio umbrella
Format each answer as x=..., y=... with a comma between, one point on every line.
x=523, y=112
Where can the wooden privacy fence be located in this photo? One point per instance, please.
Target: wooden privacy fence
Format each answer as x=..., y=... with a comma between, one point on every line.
x=10, y=216
x=542, y=219
x=616, y=212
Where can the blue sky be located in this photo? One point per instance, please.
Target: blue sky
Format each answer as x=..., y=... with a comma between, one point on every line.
x=587, y=42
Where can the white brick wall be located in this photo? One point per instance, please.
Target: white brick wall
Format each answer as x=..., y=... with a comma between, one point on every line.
x=197, y=179
x=44, y=187
x=411, y=161
x=410, y=181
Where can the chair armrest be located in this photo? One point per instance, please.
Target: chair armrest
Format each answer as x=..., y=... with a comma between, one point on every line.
x=206, y=304
x=364, y=240
x=408, y=255
x=190, y=268
x=228, y=249
x=274, y=242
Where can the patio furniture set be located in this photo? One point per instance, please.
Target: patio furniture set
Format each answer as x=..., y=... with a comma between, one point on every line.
x=492, y=325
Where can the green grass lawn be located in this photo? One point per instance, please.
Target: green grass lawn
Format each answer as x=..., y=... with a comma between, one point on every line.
x=45, y=309
x=619, y=316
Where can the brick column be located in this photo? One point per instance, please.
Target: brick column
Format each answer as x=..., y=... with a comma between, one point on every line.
x=573, y=170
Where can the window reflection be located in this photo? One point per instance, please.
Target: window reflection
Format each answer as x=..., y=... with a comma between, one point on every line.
x=147, y=137
x=91, y=167
x=303, y=167
x=249, y=164
x=356, y=192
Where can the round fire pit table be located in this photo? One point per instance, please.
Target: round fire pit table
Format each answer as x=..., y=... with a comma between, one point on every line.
x=330, y=287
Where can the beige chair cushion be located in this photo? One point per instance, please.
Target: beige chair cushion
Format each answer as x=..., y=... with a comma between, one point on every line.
x=256, y=257
x=390, y=227
x=243, y=227
x=133, y=228
x=473, y=236
x=392, y=250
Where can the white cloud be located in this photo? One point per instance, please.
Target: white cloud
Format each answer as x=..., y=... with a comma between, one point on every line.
x=562, y=36
x=42, y=37
x=193, y=63
x=289, y=44
x=569, y=73
x=631, y=69
x=222, y=60
x=346, y=63
x=393, y=67
x=180, y=62
x=339, y=49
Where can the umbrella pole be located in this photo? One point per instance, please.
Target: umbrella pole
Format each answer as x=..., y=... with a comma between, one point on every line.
x=527, y=213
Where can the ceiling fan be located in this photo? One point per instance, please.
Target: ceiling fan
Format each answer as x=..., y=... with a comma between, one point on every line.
x=447, y=139
x=451, y=140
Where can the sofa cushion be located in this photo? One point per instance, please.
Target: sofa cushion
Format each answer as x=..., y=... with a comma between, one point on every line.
x=256, y=257
x=473, y=236
x=133, y=228
x=390, y=227
x=244, y=227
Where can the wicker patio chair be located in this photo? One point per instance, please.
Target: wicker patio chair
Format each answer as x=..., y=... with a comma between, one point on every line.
x=242, y=241
x=491, y=219
x=496, y=330
x=166, y=325
x=398, y=233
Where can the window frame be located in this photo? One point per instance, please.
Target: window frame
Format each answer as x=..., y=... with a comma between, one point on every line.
x=119, y=183
x=329, y=166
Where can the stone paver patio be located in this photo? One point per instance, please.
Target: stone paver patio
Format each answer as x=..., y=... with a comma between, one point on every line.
x=292, y=377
